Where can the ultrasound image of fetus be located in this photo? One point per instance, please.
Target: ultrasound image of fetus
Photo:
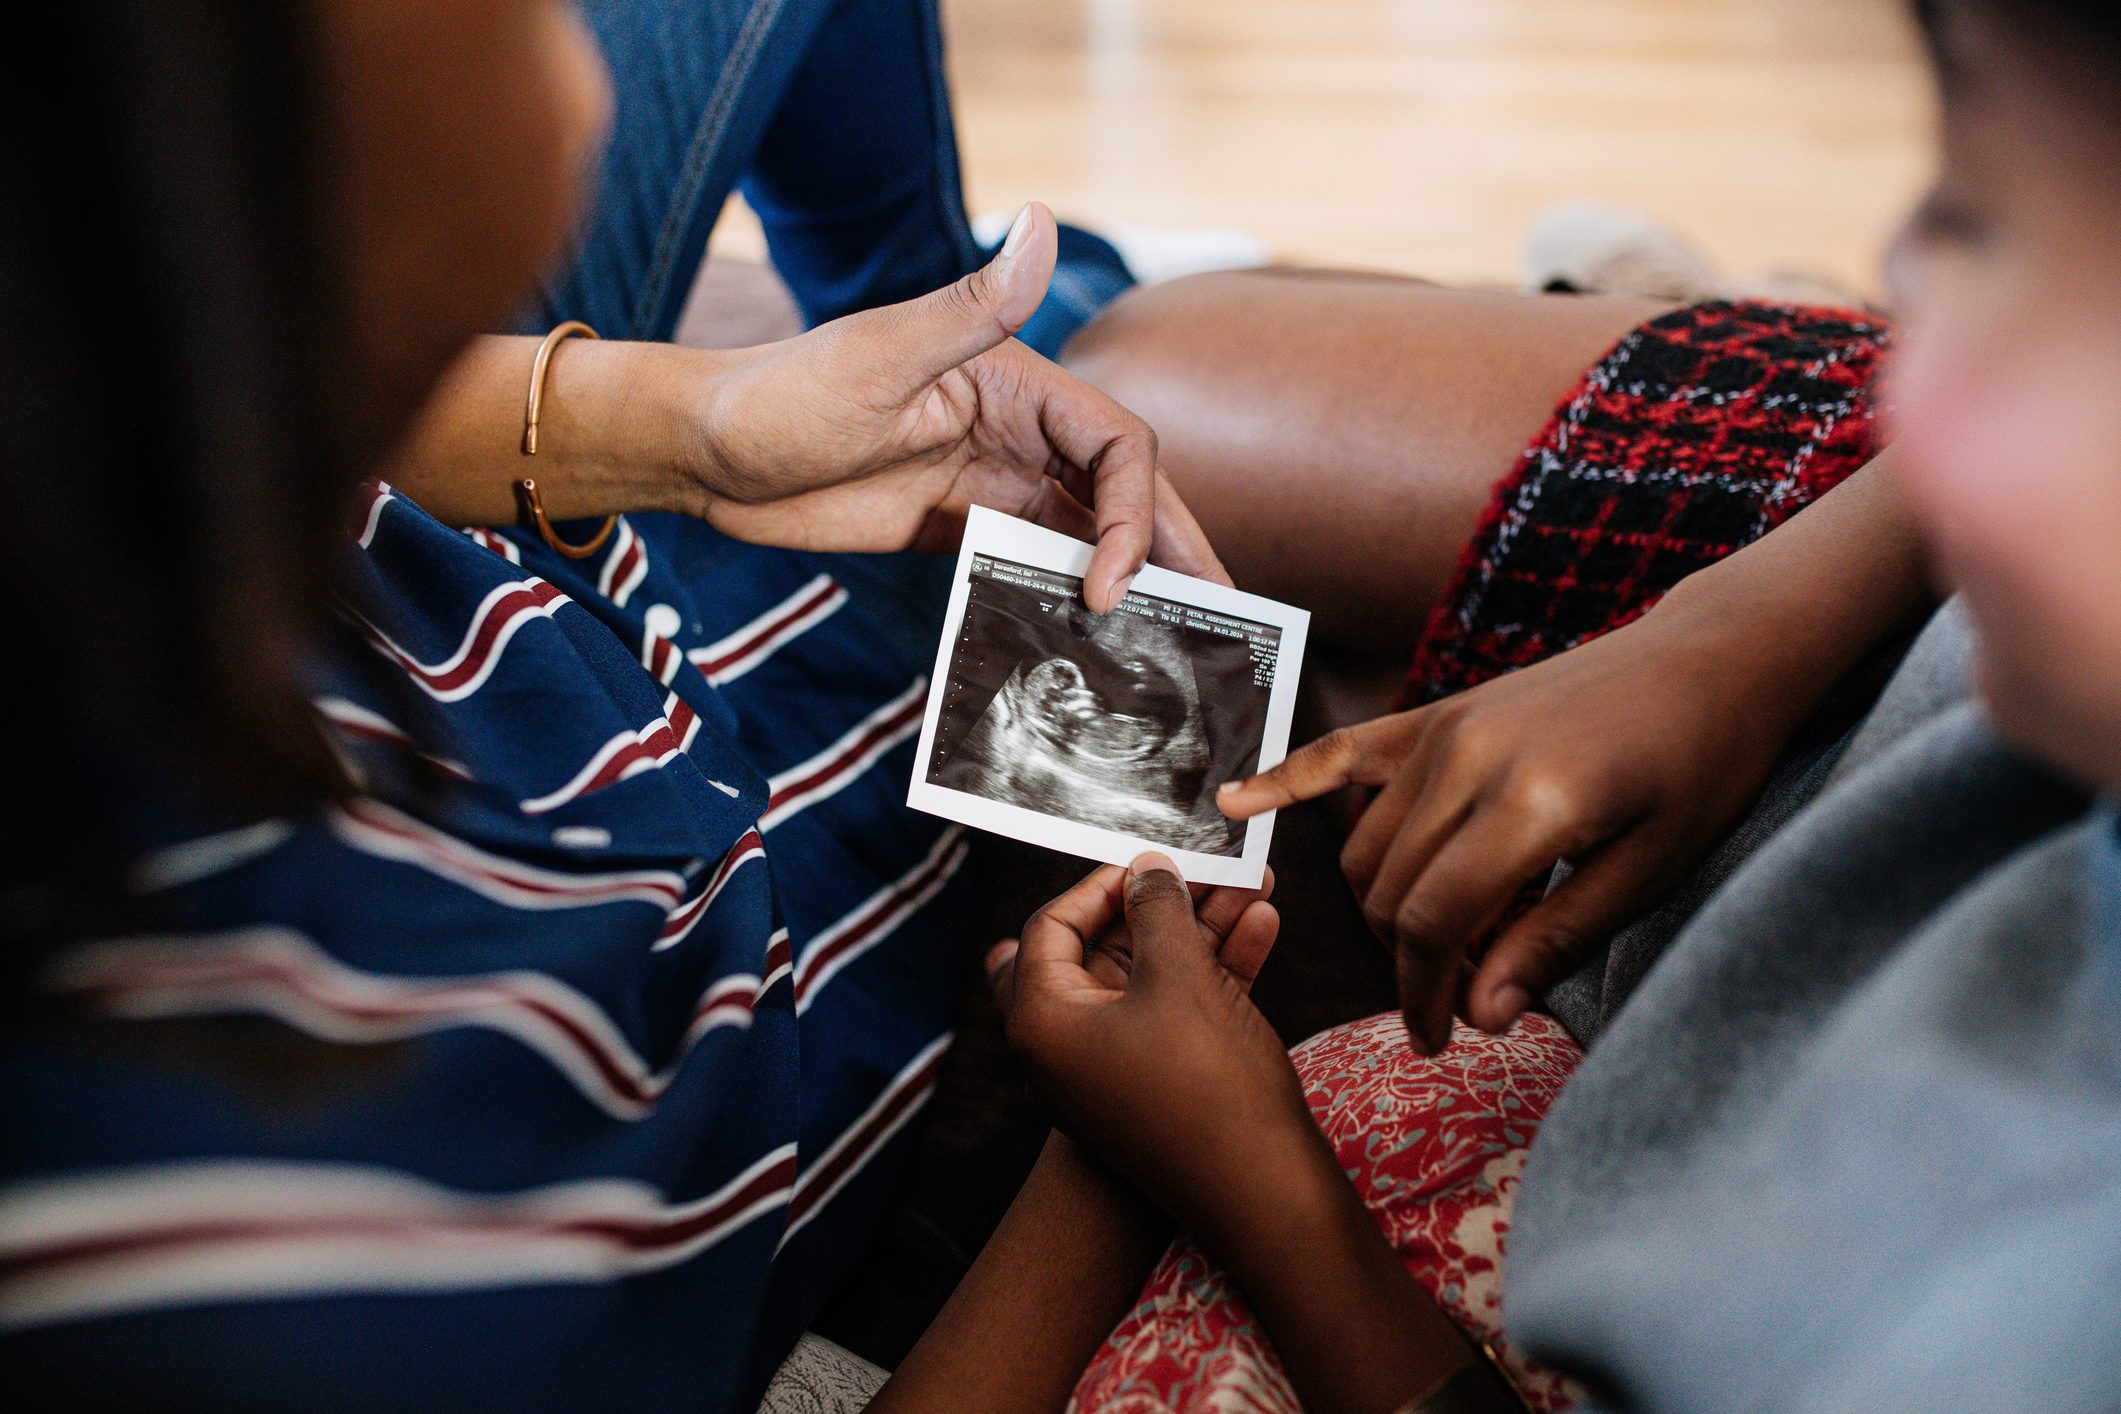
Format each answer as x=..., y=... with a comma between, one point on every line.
x=1107, y=730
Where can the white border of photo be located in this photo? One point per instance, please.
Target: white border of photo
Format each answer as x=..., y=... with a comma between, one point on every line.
x=1004, y=537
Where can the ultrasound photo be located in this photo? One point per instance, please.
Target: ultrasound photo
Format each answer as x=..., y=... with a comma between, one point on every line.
x=1126, y=722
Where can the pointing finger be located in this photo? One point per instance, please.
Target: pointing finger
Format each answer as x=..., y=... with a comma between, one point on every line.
x=1363, y=755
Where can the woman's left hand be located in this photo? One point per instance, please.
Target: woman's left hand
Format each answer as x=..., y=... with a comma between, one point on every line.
x=880, y=430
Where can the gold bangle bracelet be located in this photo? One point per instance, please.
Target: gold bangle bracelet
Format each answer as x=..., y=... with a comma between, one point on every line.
x=528, y=502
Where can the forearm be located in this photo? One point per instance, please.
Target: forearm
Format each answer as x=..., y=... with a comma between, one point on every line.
x=1069, y=1257
x=1809, y=601
x=1356, y=1333
x=617, y=431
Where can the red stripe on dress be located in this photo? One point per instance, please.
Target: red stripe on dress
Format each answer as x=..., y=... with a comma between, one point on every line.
x=749, y=846
x=251, y=972
x=498, y=618
x=629, y=753
x=858, y=1145
x=625, y=567
x=718, y=657
x=448, y=854
x=358, y=722
x=885, y=908
x=632, y=1234
x=661, y=657
x=846, y=758
x=500, y=544
x=450, y=999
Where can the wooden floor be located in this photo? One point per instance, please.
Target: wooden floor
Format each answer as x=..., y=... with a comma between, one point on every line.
x=1424, y=135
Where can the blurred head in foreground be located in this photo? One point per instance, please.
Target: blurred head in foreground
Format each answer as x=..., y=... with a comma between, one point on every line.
x=2007, y=390
x=267, y=230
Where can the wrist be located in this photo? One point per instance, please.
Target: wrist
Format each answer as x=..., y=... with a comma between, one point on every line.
x=1805, y=603
x=618, y=430
x=679, y=395
x=1779, y=647
x=1354, y=1328
x=720, y=406
x=1274, y=1207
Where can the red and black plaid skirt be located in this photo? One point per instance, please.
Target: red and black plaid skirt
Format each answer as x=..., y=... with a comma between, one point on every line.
x=1701, y=431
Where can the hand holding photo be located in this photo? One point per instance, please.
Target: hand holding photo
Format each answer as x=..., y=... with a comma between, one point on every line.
x=1104, y=736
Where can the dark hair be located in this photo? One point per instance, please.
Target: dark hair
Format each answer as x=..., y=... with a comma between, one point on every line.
x=171, y=492
x=2077, y=41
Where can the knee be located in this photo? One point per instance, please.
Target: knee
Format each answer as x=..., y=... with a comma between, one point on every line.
x=1110, y=351
x=1151, y=331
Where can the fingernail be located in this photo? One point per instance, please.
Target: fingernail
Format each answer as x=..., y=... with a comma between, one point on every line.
x=1228, y=788
x=1119, y=590
x=1019, y=230
x=1512, y=1001
x=1151, y=862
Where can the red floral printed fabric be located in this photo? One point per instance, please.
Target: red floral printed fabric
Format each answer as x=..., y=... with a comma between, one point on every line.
x=1434, y=1145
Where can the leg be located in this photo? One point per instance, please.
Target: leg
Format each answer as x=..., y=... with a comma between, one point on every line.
x=1339, y=434
x=696, y=83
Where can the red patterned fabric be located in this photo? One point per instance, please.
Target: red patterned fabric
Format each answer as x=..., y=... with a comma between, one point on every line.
x=1697, y=434
x=1434, y=1146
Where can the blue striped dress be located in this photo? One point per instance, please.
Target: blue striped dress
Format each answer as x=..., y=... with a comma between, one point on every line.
x=569, y=1071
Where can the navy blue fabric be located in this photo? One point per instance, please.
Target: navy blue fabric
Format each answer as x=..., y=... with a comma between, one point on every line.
x=535, y=1089
x=833, y=119
x=1854, y=1142
x=571, y=1067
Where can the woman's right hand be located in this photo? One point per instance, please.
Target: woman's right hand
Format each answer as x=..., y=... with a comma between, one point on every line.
x=1630, y=757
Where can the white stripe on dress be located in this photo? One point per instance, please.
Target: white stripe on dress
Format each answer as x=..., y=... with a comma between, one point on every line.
x=682, y=918
x=626, y=755
x=282, y=974
x=80, y=1246
x=379, y=495
x=500, y=544
x=839, y=765
x=861, y=1141
x=208, y=855
x=353, y=719
x=505, y=609
x=378, y=829
x=625, y=567
x=733, y=655
x=878, y=916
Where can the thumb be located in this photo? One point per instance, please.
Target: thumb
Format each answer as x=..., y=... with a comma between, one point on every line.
x=1160, y=918
x=939, y=331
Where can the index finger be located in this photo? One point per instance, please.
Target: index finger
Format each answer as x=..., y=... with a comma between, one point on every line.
x=1363, y=755
x=1123, y=480
x=1100, y=448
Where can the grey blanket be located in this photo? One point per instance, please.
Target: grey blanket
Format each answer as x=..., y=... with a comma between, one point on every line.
x=1855, y=1142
